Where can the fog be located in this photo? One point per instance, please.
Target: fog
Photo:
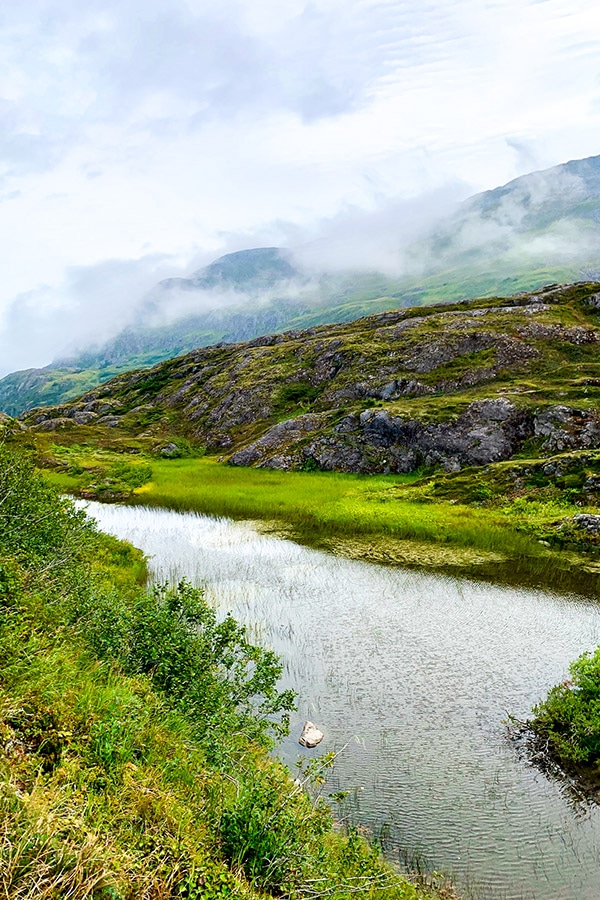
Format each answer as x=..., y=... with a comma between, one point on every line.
x=97, y=302
x=534, y=221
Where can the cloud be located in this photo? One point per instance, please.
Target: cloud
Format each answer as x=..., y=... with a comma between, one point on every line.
x=356, y=239
x=93, y=304
x=173, y=128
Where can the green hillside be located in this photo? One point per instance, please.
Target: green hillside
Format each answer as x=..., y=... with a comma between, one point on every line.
x=538, y=229
x=387, y=393
x=483, y=416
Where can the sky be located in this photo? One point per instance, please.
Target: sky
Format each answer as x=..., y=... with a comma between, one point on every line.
x=140, y=139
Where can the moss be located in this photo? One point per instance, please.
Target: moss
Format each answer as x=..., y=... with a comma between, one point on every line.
x=462, y=365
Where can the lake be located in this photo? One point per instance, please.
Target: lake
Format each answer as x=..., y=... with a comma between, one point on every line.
x=413, y=675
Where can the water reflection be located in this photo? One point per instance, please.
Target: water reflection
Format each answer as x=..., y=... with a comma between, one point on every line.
x=415, y=674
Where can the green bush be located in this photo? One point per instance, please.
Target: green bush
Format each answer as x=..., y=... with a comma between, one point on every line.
x=274, y=832
x=208, y=668
x=569, y=718
x=38, y=526
x=298, y=393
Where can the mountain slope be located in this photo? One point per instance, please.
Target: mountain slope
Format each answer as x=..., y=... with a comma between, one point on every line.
x=539, y=228
x=465, y=384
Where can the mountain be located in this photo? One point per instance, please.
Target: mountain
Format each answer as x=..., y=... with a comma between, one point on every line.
x=540, y=228
x=248, y=293
x=261, y=268
x=455, y=385
x=547, y=219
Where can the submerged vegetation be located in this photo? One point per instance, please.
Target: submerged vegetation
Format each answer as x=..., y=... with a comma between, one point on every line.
x=134, y=728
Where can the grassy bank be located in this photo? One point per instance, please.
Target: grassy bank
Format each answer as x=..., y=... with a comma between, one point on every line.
x=474, y=523
x=134, y=730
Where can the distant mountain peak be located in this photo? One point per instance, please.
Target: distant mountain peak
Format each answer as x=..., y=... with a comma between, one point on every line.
x=244, y=270
x=249, y=265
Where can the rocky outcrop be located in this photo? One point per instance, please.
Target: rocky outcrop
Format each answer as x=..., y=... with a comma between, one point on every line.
x=270, y=449
x=588, y=521
x=487, y=431
x=564, y=428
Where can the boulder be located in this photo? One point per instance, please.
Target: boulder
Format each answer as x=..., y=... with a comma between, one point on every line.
x=588, y=521
x=170, y=451
x=311, y=736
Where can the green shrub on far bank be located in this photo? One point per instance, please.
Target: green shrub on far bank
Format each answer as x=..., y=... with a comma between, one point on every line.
x=568, y=720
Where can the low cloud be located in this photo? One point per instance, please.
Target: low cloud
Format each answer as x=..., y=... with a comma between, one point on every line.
x=93, y=304
x=377, y=239
x=537, y=220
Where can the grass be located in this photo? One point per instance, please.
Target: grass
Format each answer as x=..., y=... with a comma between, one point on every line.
x=133, y=765
x=500, y=522
x=320, y=503
x=510, y=522
x=475, y=530
x=388, y=518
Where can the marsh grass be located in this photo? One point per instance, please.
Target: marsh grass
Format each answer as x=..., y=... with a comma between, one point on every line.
x=474, y=523
x=326, y=504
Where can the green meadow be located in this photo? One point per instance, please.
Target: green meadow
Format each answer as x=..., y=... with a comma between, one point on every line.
x=388, y=519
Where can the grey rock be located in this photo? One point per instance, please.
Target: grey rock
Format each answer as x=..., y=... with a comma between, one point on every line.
x=170, y=451
x=377, y=441
x=54, y=424
x=451, y=465
x=588, y=521
x=109, y=421
x=565, y=428
x=278, y=437
x=84, y=418
x=401, y=388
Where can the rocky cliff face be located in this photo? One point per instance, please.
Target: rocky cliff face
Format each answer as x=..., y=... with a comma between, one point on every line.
x=487, y=431
x=451, y=386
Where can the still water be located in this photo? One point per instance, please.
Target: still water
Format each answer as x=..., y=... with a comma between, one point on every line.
x=413, y=674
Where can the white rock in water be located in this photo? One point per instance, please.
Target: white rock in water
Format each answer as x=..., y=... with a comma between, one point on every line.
x=311, y=736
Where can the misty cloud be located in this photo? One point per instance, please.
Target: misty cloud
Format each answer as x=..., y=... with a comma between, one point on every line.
x=356, y=239
x=182, y=129
x=94, y=304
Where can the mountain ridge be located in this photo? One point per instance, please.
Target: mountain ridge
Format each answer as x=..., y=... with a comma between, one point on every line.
x=500, y=241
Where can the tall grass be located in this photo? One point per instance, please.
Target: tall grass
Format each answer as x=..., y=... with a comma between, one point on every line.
x=397, y=519
x=320, y=504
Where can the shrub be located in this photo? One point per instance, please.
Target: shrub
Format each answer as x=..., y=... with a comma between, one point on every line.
x=206, y=667
x=569, y=718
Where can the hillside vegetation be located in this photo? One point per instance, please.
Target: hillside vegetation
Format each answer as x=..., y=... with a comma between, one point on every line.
x=472, y=383
x=539, y=228
x=134, y=729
